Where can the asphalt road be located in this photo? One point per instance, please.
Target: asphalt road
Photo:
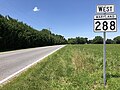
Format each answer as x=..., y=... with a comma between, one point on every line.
x=12, y=63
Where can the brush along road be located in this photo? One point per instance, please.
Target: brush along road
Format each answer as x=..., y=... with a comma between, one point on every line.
x=14, y=62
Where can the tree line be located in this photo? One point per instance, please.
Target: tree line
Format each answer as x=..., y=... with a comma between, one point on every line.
x=96, y=40
x=18, y=35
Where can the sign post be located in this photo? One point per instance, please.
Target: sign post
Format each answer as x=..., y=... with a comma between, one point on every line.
x=104, y=22
x=104, y=60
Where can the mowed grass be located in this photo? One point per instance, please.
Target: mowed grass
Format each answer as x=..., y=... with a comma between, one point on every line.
x=74, y=67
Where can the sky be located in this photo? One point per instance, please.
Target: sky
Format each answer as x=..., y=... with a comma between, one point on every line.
x=70, y=18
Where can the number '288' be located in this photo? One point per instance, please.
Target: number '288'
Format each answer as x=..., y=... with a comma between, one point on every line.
x=105, y=25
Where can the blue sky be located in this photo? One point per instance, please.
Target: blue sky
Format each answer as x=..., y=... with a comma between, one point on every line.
x=70, y=18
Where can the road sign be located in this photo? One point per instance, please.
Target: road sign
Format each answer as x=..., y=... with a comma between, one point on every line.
x=105, y=23
x=105, y=8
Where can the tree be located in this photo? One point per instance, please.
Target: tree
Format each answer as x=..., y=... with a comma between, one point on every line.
x=90, y=41
x=109, y=41
x=17, y=35
x=98, y=40
x=77, y=40
x=117, y=40
x=81, y=40
x=71, y=41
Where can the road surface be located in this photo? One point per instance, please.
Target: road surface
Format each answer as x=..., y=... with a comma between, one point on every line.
x=14, y=62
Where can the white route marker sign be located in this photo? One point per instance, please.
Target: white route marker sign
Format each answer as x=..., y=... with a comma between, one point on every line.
x=105, y=8
x=105, y=23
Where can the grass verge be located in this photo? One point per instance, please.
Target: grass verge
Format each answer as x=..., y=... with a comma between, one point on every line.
x=74, y=67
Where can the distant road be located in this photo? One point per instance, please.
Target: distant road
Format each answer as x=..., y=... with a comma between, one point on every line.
x=13, y=62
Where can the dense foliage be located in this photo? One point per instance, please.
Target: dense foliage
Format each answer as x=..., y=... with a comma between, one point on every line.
x=96, y=40
x=78, y=40
x=117, y=40
x=17, y=35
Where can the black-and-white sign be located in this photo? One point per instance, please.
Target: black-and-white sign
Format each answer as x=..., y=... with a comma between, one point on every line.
x=105, y=8
x=105, y=23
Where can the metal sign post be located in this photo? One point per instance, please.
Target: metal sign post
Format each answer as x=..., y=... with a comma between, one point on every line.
x=104, y=56
x=104, y=60
x=104, y=22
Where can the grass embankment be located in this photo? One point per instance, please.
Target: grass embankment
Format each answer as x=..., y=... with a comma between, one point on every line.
x=74, y=67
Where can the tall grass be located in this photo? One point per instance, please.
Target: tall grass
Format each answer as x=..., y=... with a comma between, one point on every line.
x=74, y=67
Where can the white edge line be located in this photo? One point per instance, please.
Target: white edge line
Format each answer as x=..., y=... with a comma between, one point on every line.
x=28, y=66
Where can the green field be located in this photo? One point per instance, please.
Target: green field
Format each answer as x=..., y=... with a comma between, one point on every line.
x=74, y=67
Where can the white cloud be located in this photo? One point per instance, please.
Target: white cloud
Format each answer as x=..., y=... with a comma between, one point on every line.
x=36, y=9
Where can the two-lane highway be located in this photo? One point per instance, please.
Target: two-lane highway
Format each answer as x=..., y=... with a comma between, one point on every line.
x=12, y=63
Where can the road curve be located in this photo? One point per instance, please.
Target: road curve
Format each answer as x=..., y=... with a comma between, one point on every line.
x=14, y=62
